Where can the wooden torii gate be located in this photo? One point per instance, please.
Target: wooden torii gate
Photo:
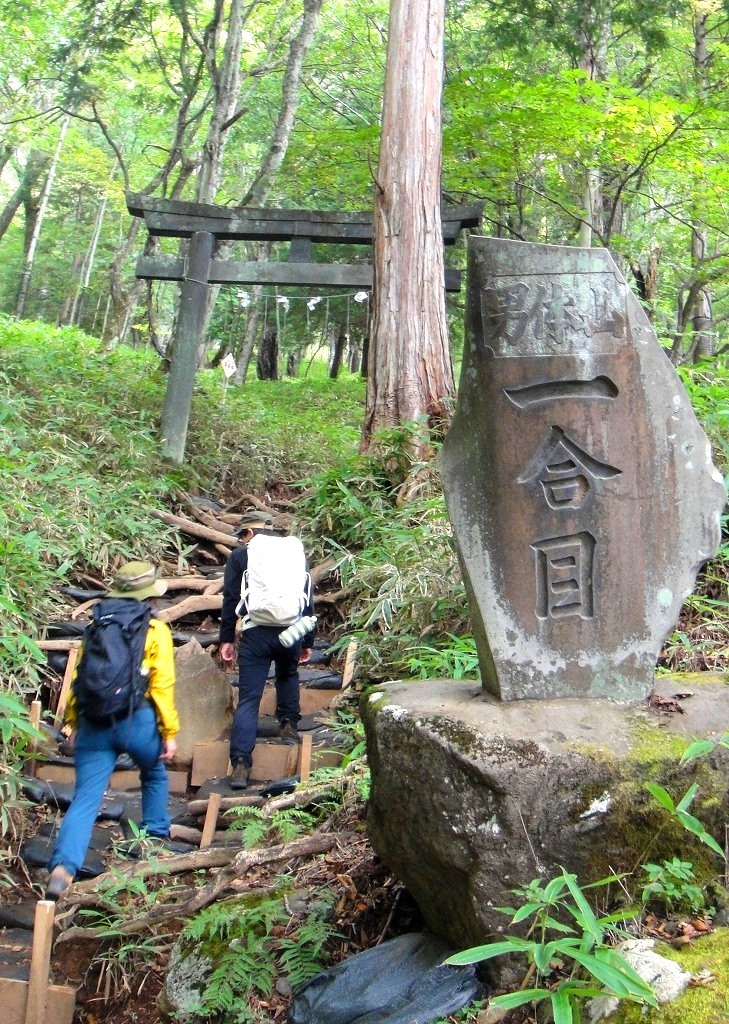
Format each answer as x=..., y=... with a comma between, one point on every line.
x=205, y=225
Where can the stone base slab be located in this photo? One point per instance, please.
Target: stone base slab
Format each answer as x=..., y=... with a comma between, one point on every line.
x=472, y=797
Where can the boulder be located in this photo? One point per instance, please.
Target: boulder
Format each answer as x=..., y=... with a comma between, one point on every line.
x=204, y=699
x=472, y=797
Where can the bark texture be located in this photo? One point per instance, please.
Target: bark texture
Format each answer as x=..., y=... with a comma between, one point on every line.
x=410, y=371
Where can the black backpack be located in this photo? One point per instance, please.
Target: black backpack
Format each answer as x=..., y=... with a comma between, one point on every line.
x=109, y=681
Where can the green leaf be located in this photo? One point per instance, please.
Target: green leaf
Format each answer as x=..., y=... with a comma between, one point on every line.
x=694, y=826
x=661, y=795
x=697, y=749
x=488, y=952
x=514, y=999
x=686, y=800
x=561, y=1008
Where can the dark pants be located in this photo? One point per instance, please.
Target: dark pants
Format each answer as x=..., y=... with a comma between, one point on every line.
x=259, y=646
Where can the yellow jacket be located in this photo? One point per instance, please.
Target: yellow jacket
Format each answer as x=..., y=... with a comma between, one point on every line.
x=160, y=662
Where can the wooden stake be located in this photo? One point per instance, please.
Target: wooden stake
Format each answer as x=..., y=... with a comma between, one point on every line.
x=35, y=716
x=65, y=687
x=350, y=661
x=40, y=961
x=305, y=757
x=211, y=820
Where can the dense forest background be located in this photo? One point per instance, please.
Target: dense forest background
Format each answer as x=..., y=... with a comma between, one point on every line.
x=598, y=123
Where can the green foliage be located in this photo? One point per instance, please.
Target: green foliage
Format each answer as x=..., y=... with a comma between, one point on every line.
x=456, y=659
x=396, y=558
x=16, y=737
x=283, y=826
x=251, y=943
x=680, y=812
x=577, y=965
x=673, y=883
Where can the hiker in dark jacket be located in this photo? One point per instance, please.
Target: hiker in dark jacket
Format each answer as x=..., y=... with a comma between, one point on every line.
x=146, y=732
x=259, y=646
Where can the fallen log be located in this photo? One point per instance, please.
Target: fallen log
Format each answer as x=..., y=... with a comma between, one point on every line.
x=240, y=862
x=200, y=806
x=323, y=569
x=197, y=603
x=335, y=596
x=209, y=519
x=197, y=529
x=190, y=583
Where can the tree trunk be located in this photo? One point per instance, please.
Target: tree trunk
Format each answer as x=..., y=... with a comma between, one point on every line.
x=38, y=224
x=340, y=345
x=702, y=319
x=34, y=167
x=593, y=40
x=291, y=86
x=410, y=371
x=88, y=265
x=267, y=362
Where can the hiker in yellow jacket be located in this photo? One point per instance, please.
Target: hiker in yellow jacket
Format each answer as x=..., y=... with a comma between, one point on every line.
x=146, y=732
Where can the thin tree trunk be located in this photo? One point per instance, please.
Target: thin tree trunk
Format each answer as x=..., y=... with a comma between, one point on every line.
x=34, y=167
x=258, y=192
x=30, y=253
x=340, y=345
x=702, y=319
x=410, y=372
x=267, y=363
x=78, y=301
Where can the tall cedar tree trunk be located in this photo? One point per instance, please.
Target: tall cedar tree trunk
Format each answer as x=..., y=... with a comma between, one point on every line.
x=410, y=375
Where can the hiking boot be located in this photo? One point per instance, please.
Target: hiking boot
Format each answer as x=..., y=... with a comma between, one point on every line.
x=58, y=881
x=240, y=776
x=289, y=733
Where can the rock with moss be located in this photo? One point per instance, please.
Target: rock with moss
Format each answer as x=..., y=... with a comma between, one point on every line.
x=472, y=798
x=705, y=1001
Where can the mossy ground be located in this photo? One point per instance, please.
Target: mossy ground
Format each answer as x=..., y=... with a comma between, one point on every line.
x=700, y=1004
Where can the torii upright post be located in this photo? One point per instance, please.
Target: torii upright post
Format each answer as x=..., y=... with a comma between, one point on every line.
x=181, y=383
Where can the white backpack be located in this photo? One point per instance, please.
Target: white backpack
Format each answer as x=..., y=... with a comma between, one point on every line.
x=276, y=587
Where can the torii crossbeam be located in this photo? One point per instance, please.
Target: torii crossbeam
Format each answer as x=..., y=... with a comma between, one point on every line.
x=168, y=218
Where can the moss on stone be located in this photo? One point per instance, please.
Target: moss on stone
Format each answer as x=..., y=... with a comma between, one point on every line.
x=653, y=746
x=699, y=1004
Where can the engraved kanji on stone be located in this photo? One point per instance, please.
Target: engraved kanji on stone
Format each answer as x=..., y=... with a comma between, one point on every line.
x=564, y=576
x=566, y=472
x=508, y=311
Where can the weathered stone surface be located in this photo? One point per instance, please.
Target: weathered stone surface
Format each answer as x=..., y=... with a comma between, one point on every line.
x=472, y=797
x=204, y=700
x=578, y=480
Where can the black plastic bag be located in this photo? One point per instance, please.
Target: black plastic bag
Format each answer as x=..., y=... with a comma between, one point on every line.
x=399, y=982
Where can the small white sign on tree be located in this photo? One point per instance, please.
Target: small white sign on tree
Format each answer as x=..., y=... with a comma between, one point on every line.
x=229, y=365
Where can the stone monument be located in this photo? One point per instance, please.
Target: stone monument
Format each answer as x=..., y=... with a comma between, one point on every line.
x=583, y=501
x=578, y=480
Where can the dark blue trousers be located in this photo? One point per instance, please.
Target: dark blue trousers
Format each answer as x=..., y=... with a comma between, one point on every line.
x=259, y=646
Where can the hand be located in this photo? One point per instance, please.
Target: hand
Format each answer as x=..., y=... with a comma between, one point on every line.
x=227, y=652
x=169, y=749
x=304, y=655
